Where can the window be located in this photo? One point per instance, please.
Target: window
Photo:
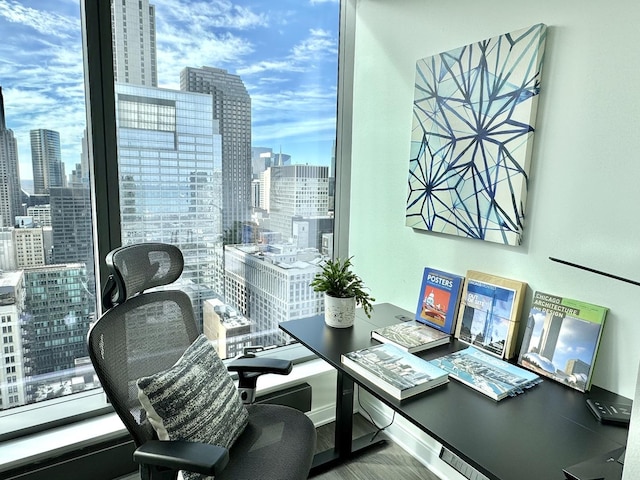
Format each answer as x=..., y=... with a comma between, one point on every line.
x=211, y=126
x=47, y=280
x=244, y=96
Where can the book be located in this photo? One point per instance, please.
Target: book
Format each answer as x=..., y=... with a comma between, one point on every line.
x=411, y=336
x=489, y=313
x=399, y=373
x=439, y=299
x=561, y=339
x=487, y=373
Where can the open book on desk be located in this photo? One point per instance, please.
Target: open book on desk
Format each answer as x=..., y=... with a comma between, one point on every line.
x=487, y=374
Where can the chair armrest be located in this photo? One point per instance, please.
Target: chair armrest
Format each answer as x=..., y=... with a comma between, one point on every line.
x=182, y=455
x=250, y=368
x=260, y=365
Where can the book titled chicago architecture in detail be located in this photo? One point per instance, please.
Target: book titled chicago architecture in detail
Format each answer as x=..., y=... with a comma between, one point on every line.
x=561, y=339
x=397, y=372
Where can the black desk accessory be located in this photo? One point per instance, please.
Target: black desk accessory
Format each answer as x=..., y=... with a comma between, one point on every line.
x=603, y=467
x=610, y=412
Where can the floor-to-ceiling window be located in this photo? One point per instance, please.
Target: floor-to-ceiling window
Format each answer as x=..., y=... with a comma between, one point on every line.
x=219, y=136
x=47, y=277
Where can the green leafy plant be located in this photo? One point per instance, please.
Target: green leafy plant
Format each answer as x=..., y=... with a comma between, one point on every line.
x=337, y=280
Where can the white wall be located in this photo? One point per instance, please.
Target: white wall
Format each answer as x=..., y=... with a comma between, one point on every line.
x=584, y=195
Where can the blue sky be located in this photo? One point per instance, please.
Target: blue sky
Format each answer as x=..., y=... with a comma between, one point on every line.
x=284, y=51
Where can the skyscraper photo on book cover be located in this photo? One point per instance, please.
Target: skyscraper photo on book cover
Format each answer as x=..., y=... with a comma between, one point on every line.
x=438, y=300
x=561, y=339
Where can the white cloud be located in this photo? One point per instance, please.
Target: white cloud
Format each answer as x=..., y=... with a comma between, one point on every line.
x=45, y=23
x=205, y=15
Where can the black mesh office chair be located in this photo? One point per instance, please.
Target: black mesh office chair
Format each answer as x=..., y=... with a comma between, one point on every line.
x=149, y=340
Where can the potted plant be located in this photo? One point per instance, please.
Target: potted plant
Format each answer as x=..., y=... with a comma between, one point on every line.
x=343, y=290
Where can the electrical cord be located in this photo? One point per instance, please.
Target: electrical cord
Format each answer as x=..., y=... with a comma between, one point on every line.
x=378, y=429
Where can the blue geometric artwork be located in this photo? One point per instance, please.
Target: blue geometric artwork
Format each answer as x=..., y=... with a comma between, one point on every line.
x=473, y=122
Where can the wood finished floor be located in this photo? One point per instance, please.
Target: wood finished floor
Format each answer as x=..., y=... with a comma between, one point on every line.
x=383, y=463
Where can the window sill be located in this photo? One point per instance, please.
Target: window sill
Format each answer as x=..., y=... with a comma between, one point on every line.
x=19, y=452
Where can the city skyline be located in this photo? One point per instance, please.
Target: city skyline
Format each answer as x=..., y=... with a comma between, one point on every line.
x=285, y=59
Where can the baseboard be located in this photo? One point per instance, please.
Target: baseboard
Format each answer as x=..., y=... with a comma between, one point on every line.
x=323, y=415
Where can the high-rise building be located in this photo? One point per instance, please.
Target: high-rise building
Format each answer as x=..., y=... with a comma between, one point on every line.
x=297, y=190
x=232, y=111
x=58, y=311
x=46, y=158
x=270, y=284
x=71, y=226
x=170, y=181
x=263, y=158
x=134, y=42
x=229, y=331
x=7, y=250
x=12, y=369
x=41, y=214
x=10, y=192
x=30, y=247
x=71, y=229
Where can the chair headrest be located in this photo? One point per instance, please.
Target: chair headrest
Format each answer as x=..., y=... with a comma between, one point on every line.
x=139, y=267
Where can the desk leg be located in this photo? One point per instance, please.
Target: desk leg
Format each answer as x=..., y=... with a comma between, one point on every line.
x=344, y=415
x=344, y=447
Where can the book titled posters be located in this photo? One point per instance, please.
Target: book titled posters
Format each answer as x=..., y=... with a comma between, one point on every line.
x=411, y=336
x=438, y=300
x=395, y=371
x=489, y=313
x=561, y=339
x=486, y=373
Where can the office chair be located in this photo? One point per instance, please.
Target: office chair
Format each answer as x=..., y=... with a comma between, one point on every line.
x=146, y=348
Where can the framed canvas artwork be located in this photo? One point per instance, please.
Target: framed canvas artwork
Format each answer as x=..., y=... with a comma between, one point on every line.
x=474, y=112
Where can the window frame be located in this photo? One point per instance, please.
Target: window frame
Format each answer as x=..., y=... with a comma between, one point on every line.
x=102, y=140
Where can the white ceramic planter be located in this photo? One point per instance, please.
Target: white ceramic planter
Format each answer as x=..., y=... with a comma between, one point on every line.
x=339, y=312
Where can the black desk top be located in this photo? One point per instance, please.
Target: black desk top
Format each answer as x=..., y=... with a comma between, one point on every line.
x=531, y=436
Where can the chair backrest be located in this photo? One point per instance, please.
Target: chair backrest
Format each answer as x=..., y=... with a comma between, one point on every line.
x=143, y=332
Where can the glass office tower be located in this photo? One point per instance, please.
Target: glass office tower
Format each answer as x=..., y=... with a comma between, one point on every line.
x=170, y=179
x=232, y=111
x=58, y=311
x=46, y=158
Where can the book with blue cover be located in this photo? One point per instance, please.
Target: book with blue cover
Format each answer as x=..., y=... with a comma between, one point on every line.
x=439, y=299
x=486, y=373
x=394, y=370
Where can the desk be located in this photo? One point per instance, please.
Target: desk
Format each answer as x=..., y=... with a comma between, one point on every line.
x=528, y=437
